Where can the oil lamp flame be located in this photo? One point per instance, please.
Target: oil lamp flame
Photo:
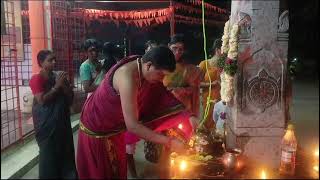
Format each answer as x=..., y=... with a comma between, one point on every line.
x=183, y=165
x=263, y=175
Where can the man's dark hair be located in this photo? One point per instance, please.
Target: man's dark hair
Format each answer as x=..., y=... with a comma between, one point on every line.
x=91, y=43
x=109, y=50
x=149, y=43
x=42, y=55
x=161, y=57
x=177, y=38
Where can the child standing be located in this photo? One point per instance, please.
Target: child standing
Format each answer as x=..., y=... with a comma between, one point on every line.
x=219, y=117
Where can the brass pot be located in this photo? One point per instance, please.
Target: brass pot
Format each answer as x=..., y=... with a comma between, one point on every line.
x=230, y=159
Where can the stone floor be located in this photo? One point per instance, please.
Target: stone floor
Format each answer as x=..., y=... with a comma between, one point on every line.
x=145, y=169
x=305, y=117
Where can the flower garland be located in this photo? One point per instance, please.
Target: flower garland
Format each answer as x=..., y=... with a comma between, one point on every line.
x=227, y=88
x=233, y=42
x=228, y=63
x=225, y=46
x=230, y=66
x=225, y=38
x=221, y=61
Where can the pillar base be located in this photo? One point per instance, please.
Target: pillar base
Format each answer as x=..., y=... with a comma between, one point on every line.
x=264, y=150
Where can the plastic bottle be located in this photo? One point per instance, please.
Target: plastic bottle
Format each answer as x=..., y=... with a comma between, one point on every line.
x=288, y=152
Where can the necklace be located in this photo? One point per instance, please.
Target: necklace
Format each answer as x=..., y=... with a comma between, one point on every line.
x=139, y=72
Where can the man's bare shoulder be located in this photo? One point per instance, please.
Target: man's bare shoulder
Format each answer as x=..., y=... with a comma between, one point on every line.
x=124, y=70
x=124, y=75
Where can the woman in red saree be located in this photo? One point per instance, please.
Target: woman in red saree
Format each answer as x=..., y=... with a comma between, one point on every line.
x=130, y=91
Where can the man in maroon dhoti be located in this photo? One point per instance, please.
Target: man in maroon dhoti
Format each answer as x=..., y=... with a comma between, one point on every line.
x=129, y=96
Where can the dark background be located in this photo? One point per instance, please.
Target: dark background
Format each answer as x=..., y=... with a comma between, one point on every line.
x=304, y=36
x=303, y=31
x=136, y=37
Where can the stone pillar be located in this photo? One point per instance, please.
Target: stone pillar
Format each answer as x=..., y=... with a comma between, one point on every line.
x=257, y=113
x=40, y=29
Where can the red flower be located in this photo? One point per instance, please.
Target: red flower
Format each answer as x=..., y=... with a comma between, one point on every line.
x=229, y=61
x=223, y=115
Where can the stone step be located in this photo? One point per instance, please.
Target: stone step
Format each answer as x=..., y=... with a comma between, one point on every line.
x=20, y=159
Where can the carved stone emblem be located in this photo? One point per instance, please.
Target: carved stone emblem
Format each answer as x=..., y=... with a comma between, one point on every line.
x=263, y=90
x=245, y=25
x=284, y=22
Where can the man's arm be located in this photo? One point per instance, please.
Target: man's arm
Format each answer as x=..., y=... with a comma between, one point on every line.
x=128, y=95
x=87, y=81
x=89, y=86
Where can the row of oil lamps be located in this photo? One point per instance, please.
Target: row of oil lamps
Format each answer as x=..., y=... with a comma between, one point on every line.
x=231, y=160
x=228, y=159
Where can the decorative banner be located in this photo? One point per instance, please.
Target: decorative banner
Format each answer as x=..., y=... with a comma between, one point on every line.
x=138, y=23
x=148, y=17
x=193, y=10
x=139, y=19
x=127, y=15
x=208, y=6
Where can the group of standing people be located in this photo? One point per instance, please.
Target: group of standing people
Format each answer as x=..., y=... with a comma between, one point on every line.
x=92, y=70
x=122, y=97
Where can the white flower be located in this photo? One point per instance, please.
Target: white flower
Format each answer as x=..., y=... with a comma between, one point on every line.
x=230, y=40
x=233, y=42
x=225, y=38
x=234, y=30
x=203, y=142
x=227, y=87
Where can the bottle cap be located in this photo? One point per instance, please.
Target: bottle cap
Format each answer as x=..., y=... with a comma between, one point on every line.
x=290, y=127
